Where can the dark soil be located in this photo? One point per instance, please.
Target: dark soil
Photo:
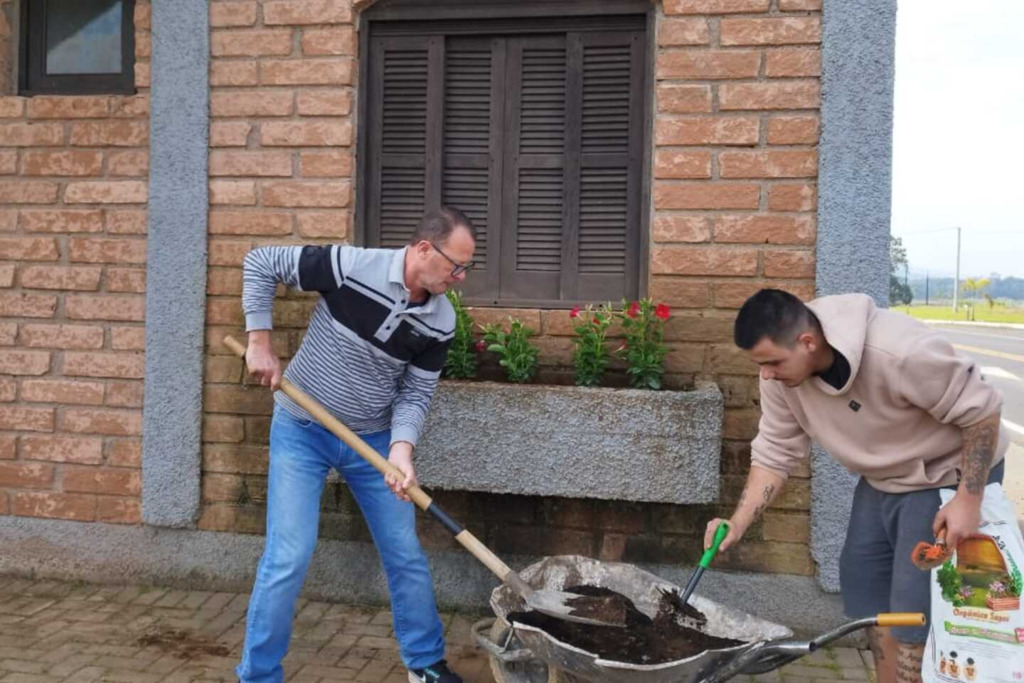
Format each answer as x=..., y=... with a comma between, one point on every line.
x=642, y=641
x=181, y=644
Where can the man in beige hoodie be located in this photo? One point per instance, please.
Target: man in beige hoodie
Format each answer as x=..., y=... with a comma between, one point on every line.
x=890, y=400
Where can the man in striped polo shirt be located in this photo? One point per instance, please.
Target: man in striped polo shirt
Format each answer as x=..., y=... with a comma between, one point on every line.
x=372, y=355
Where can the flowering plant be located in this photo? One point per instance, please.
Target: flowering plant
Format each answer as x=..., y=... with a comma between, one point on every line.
x=518, y=355
x=644, y=350
x=589, y=356
x=461, y=362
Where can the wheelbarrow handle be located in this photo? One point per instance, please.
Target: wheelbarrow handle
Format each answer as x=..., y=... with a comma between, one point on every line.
x=900, y=619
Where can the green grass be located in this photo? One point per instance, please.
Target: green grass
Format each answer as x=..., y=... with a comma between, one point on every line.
x=982, y=313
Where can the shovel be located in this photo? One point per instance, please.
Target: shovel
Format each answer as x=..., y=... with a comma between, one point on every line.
x=557, y=604
x=927, y=556
x=720, y=533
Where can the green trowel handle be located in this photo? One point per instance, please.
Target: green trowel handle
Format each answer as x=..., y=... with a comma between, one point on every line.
x=720, y=533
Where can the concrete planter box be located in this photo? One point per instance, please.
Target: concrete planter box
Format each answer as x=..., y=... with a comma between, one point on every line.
x=575, y=442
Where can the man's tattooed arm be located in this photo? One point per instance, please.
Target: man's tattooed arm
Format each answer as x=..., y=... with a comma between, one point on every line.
x=980, y=442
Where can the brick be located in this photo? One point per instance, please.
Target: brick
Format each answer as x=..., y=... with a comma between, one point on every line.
x=223, y=369
x=706, y=196
x=765, y=229
x=232, y=13
x=241, y=104
x=229, y=133
x=124, y=394
x=715, y=6
x=143, y=16
x=81, y=450
x=773, y=95
x=223, y=429
x=110, y=134
x=124, y=308
x=789, y=264
x=8, y=221
x=71, y=506
x=800, y=5
x=17, y=305
x=671, y=163
x=235, y=458
x=102, y=421
x=61, y=220
x=708, y=64
x=325, y=71
x=125, y=453
x=237, y=400
x=768, y=164
x=707, y=130
x=61, y=163
x=16, y=362
x=684, y=99
x=793, y=63
x=227, y=253
x=26, y=419
x=224, y=282
x=233, y=192
x=106, y=250
x=62, y=391
x=104, y=480
x=28, y=249
x=12, y=107
x=773, y=31
x=227, y=312
x=333, y=225
x=306, y=133
x=128, y=338
x=301, y=12
x=251, y=43
x=28, y=192
x=703, y=261
x=143, y=74
x=681, y=228
x=130, y=107
x=704, y=327
x=786, y=526
x=117, y=510
x=683, y=32
x=62, y=336
x=143, y=45
x=802, y=197
x=126, y=222
x=733, y=294
x=119, y=365
x=61, y=277
x=31, y=134
x=234, y=73
x=324, y=103
x=338, y=40
x=65, y=107
x=7, y=275
x=263, y=223
x=793, y=130
x=8, y=162
x=106, y=192
x=126, y=280
x=320, y=194
x=684, y=358
x=729, y=359
x=8, y=447
x=335, y=163
x=250, y=163
x=26, y=475
x=131, y=164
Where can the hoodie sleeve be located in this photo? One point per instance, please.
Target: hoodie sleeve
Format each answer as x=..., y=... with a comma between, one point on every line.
x=948, y=386
x=781, y=443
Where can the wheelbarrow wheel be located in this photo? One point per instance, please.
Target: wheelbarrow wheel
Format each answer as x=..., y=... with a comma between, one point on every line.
x=529, y=671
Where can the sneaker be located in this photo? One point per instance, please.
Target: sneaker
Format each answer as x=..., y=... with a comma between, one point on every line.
x=435, y=673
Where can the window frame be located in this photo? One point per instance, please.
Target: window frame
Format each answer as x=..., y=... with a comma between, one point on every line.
x=32, y=76
x=482, y=17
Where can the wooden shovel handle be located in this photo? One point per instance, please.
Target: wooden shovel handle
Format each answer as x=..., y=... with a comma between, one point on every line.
x=901, y=619
x=418, y=495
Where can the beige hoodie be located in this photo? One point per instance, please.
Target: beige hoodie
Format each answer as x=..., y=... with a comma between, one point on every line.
x=898, y=420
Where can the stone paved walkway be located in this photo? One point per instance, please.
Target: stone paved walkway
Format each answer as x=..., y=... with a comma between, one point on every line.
x=52, y=632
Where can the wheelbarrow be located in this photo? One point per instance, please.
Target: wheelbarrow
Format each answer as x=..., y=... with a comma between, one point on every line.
x=521, y=653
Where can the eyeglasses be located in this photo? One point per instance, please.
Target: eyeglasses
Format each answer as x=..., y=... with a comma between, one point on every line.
x=457, y=268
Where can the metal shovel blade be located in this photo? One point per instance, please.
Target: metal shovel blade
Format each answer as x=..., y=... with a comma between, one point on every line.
x=582, y=609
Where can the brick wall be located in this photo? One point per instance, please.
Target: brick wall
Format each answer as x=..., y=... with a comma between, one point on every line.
x=735, y=162
x=73, y=186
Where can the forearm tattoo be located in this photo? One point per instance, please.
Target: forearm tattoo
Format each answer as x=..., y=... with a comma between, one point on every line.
x=980, y=443
x=908, y=663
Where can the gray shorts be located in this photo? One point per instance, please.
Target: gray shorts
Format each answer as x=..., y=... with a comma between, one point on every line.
x=875, y=571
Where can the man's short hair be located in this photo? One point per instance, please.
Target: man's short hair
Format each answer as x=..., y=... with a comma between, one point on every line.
x=437, y=225
x=772, y=313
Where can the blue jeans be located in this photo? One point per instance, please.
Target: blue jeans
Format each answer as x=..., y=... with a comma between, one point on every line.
x=301, y=454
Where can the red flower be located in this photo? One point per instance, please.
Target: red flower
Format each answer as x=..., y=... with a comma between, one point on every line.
x=662, y=311
x=574, y=312
x=597, y=321
x=634, y=309
x=481, y=345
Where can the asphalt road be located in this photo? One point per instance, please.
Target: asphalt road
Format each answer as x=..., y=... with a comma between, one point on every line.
x=1000, y=354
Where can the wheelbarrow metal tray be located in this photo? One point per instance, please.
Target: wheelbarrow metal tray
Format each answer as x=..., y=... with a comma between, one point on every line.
x=643, y=589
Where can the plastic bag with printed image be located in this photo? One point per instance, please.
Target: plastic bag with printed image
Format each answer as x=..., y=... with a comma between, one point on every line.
x=976, y=632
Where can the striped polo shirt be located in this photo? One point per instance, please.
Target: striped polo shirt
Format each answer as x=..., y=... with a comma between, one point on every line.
x=370, y=357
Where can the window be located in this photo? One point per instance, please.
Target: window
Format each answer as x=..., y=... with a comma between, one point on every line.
x=74, y=47
x=534, y=128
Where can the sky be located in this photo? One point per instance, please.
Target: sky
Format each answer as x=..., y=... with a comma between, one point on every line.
x=958, y=135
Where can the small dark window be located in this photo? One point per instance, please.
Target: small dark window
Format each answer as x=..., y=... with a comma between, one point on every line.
x=76, y=47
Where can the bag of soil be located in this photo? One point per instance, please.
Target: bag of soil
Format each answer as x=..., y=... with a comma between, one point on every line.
x=976, y=632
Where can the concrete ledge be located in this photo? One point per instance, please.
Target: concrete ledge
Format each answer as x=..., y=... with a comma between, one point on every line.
x=575, y=442
x=340, y=571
